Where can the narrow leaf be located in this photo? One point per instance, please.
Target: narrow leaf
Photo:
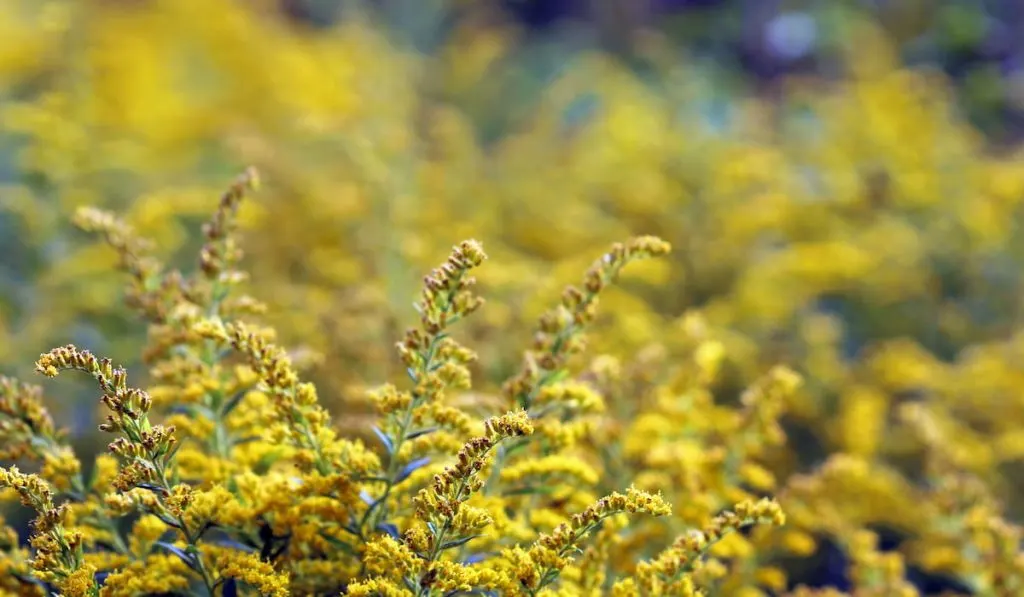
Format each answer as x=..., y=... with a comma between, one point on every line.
x=168, y=520
x=390, y=529
x=236, y=545
x=233, y=402
x=172, y=452
x=421, y=432
x=185, y=557
x=31, y=580
x=246, y=440
x=153, y=488
x=351, y=529
x=384, y=439
x=266, y=461
x=458, y=542
x=412, y=466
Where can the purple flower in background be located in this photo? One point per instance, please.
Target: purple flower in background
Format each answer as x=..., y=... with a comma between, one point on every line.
x=791, y=35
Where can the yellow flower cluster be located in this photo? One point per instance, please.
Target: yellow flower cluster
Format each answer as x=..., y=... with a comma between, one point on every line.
x=57, y=552
x=669, y=574
x=296, y=508
x=837, y=326
x=539, y=566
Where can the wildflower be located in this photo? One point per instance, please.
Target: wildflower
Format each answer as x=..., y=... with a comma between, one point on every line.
x=877, y=573
x=559, y=333
x=667, y=574
x=550, y=465
x=540, y=566
x=296, y=405
x=147, y=448
x=220, y=251
x=58, y=554
x=256, y=491
x=249, y=569
x=23, y=418
x=134, y=255
x=442, y=505
x=434, y=361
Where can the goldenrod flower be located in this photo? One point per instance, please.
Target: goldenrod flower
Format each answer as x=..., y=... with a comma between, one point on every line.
x=560, y=331
x=58, y=556
x=541, y=564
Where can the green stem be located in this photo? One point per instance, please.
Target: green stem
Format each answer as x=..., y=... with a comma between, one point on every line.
x=190, y=539
x=442, y=534
x=378, y=511
x=550, y=574
x=79, y=492
x=220, y=443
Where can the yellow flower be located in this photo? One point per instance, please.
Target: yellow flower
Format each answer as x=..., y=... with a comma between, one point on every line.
x=248, y=568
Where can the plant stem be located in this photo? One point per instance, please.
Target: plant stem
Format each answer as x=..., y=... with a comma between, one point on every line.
x=379, y=510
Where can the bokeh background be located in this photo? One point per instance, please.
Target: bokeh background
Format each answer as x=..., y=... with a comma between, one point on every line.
x=842, y=182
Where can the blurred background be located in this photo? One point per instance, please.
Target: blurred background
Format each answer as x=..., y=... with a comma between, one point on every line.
x=842, y=182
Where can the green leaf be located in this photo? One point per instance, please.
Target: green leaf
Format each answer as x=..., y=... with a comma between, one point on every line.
x=408, y=469
x=384, y=439
x=458, y=542
x=184, y=555
x=421, y=432
x=266, y=461
x=233, y=402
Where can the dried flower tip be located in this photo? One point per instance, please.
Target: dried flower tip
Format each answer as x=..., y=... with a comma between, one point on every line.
x=220, y=252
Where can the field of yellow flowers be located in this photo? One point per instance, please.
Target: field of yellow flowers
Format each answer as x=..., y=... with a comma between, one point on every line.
x=357, y=318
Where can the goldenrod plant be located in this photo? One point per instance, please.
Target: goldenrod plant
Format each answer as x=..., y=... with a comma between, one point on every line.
x=837, y=325
x=227, y=475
